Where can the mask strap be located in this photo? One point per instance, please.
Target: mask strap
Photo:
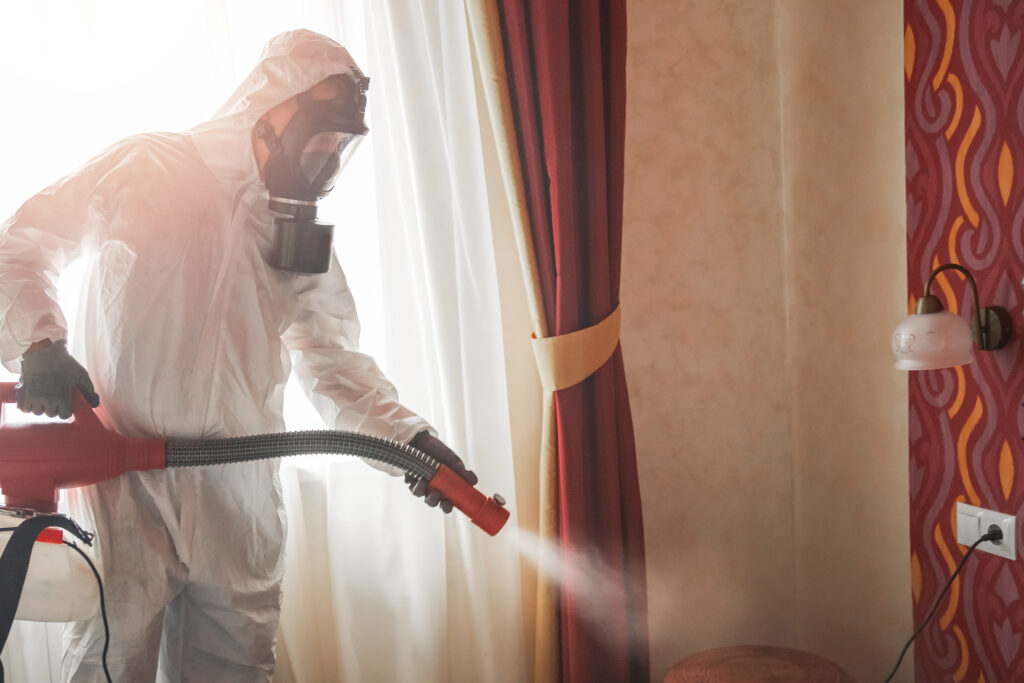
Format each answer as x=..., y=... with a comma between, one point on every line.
x=265, y=132
x=362, y=85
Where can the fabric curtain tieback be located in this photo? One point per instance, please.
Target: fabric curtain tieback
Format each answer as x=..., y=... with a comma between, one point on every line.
x=567, y=359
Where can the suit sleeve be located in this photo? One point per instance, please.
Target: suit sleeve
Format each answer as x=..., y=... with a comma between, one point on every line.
x=49, y=231
x=345, y=386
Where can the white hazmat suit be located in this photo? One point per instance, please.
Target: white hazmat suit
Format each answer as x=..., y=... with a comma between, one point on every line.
x=187, y=332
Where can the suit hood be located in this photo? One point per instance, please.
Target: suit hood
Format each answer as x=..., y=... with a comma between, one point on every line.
x=291, y=63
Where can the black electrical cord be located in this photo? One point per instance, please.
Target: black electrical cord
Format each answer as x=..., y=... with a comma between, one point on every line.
x=103, y=604
x=994, y=534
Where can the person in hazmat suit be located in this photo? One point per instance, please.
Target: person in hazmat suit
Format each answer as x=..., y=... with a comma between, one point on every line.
x=208, y=277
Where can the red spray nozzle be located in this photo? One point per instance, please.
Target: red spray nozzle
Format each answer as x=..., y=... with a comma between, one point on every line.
x=38, y=459
x=487, y=513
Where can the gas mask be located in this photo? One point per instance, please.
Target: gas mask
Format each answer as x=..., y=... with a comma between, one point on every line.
x=302, y=167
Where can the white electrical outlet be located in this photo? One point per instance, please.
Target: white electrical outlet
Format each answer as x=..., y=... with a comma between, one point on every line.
x=972, y=522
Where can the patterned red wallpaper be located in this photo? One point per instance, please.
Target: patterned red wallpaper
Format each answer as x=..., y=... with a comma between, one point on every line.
x=964, y=73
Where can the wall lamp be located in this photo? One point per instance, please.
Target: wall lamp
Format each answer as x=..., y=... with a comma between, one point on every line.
x=933, y=338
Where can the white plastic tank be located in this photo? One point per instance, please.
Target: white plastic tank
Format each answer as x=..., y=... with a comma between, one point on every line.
x=59, y=586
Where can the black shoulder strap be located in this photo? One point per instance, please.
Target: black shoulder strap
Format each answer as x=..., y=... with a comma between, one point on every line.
x=14, y=564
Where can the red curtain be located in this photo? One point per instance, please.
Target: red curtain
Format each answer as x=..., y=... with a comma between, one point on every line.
x=565, y=64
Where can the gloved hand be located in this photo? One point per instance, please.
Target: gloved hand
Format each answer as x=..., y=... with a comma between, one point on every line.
x=48, y=375
x=436, y=449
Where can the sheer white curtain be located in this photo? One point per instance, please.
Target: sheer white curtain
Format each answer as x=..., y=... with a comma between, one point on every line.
x=379, y=587
x=401, y=595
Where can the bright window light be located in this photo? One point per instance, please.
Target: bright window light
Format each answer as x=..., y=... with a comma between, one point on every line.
x=80, y=75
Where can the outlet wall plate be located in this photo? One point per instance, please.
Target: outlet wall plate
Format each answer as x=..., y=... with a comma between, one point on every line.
x=972, y=522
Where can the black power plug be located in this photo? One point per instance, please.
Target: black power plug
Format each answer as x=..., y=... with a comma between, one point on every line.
x=994, y=534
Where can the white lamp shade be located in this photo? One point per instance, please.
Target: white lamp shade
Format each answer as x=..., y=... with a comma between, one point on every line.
x=931, y=341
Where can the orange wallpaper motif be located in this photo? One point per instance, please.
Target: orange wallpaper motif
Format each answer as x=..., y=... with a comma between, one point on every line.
x=964, y=69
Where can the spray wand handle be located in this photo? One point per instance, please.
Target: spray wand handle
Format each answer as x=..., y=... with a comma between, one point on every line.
x=486, y=512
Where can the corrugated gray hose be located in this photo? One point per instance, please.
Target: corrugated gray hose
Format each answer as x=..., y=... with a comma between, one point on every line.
x=198, y=452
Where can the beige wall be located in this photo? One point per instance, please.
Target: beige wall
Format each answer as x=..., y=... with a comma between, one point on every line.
x=764, y=268
x=842, y=94
x=704, y=316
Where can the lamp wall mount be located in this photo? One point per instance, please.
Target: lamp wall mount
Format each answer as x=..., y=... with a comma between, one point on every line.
x=991, y=326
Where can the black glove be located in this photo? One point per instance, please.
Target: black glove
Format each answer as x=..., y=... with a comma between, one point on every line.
x=436, y=449
x=47, y=379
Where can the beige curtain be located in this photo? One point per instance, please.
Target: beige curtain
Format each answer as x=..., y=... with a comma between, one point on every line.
x=540, y=464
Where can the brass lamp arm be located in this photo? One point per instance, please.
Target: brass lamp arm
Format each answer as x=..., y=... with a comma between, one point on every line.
x=990, y=326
